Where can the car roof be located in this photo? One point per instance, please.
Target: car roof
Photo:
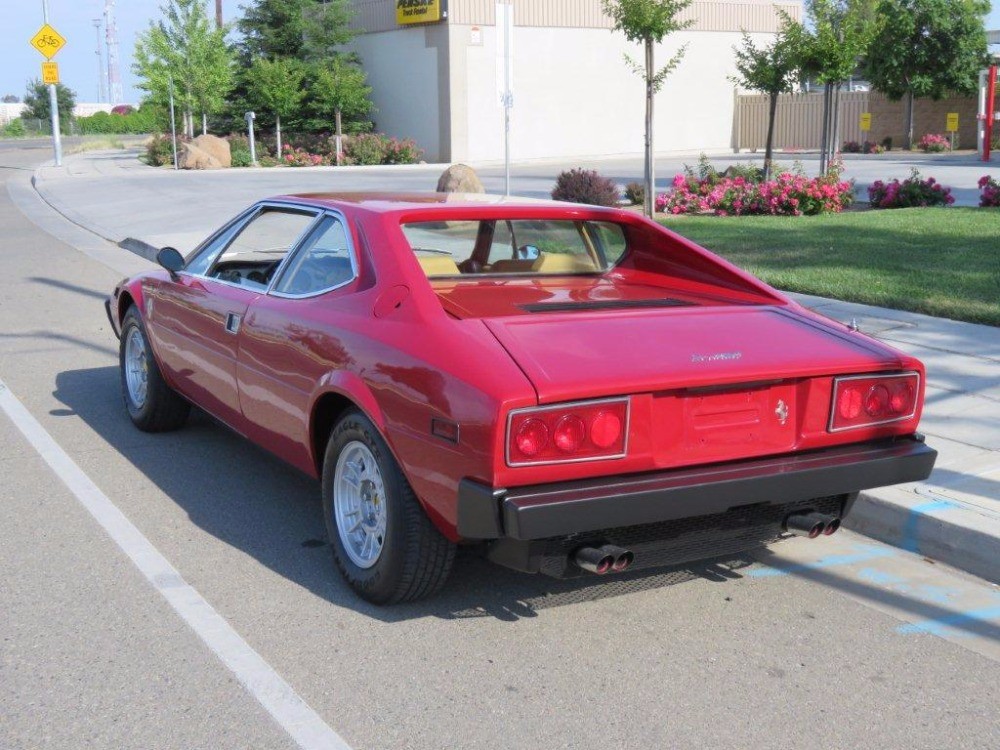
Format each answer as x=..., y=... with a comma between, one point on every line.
x=399, y=202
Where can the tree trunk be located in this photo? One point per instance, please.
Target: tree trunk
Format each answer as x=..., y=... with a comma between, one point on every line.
x=769, y=147
x=650, y=196
x=204, y=124
x=277, y=132
x=834, y=127
x=825, y=139
x=340, y=138
x=908, y=140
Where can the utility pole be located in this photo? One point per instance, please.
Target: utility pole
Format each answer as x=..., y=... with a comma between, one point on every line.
x=53, y=104
x=100, y=62
x=218, y=14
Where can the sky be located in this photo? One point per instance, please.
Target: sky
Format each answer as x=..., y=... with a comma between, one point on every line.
x=20, y=62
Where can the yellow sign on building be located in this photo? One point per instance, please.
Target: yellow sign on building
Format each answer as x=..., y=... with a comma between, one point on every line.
x=866, y=121
x=50, y=72
x=48, y=41
x=420, y=11
x=952, y=122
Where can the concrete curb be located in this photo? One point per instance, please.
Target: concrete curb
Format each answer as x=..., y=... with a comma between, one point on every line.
x=952, y=532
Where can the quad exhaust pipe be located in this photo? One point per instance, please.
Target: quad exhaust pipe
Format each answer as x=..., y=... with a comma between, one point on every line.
x=603, y=560
x=811, y=525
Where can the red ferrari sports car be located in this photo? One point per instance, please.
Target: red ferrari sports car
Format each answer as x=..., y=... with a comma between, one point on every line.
x=576, y=389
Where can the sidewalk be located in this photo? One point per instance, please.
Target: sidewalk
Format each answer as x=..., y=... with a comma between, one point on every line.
x=953, y=517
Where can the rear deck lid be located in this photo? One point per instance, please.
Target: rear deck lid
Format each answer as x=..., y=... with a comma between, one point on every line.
x=587, y=354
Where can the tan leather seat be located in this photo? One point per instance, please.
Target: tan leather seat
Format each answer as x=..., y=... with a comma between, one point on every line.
x=438, y=265
x=562, y=263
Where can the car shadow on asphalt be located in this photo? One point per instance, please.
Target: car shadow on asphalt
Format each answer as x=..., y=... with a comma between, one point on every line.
x=256, y=503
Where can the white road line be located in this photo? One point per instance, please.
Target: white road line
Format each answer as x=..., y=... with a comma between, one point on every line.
x=294, y=715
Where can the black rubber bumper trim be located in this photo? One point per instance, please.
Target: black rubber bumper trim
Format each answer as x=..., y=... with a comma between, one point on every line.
x=552, y=510
x=111, y=320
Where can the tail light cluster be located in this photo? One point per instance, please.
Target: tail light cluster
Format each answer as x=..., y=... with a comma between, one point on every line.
x=582, y=431
x=867, y=400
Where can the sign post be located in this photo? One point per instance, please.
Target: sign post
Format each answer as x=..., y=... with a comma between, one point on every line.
x=48, y=41
x=505, y=27
x=952, y=127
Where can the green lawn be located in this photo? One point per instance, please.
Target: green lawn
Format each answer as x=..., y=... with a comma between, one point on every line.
x=939, y=261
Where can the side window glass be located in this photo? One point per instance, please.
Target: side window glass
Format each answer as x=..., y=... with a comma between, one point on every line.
x=501, y=247
x=610, y=241
x=323, y=262
x=201, y=262
x=256, y=252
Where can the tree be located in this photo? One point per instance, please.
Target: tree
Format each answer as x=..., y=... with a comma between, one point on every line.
x=340, y=89
x=39, y=107
x=10, y=99
x=183, y=52
x=839, y=33
x=770, y=70
x=649, y=22
x=275, y=86
x=927, y=48
x=306, y=30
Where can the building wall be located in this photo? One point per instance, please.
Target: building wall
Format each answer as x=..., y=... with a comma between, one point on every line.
x=408, y=72
x=929, y=116
x=575, y=96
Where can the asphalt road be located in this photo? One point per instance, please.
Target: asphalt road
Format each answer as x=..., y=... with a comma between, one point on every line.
x=837, y=643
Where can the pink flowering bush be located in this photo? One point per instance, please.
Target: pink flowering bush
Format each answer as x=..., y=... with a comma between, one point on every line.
x=786, y=195
x=990, y=197
x=911, y=192
x=299, y=157
x=934, y=143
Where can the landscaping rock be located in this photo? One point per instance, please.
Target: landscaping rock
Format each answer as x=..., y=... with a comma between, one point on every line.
x=205, y=152
x=460, y=178
x=217, y=148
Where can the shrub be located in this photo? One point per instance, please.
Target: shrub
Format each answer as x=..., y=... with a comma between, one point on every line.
x=933, y=143
x=887, y=143
x=909, y=193
x=122, y=109
x=851, y=147
x=299, y=157
x=239, y=148
x=749, y=172
x=405, y=151
x=14, y=129
x=585, y=186
x=867, y=147
x=365, y=148
x=635, y=193
x=990, y=196
x=102, y=123
x=788, y=194
x=160, y=150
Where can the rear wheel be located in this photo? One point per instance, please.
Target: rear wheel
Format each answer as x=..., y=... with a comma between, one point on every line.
x=382, y=541
x=152, y=405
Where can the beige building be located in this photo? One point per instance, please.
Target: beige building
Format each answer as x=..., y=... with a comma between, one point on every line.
x=438, y=78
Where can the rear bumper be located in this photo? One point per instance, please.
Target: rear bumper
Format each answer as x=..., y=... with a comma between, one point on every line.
x=554, y=510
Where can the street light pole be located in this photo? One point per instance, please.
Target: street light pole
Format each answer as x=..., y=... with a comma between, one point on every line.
x=53, y=104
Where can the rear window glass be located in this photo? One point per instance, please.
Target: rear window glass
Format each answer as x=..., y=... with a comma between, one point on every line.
x=536, y=247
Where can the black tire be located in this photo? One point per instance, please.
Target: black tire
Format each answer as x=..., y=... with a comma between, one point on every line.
x=162, y=409
x=415, y=558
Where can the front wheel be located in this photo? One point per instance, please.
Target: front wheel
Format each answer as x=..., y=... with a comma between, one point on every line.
x=152, y=405
x=382, y=541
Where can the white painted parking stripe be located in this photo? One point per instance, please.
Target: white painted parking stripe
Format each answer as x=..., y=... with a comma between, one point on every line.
x=294, y=715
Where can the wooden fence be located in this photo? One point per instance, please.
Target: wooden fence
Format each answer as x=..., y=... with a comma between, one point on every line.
x=798, y=123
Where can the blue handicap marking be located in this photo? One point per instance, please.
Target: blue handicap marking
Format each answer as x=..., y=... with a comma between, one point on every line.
x=945, y=625
x=909, y=540
x=829, y=561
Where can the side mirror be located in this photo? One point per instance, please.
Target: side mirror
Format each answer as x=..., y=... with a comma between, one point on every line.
x=171, y=259
x=527, y=252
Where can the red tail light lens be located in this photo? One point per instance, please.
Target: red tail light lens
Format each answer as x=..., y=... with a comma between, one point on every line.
x=867, y=400
x=582, y=431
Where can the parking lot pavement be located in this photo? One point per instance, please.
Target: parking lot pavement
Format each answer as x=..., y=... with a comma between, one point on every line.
x=954, y=517
x=841, y=642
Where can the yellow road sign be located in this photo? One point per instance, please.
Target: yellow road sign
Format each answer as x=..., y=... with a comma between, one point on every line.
x=48, y=41
x=866, y=121
x=50, y=72
x=952, y=122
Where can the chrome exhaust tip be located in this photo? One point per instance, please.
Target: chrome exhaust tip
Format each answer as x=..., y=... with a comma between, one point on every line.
x=623, y=558
x=809, y=525
x=594, y=560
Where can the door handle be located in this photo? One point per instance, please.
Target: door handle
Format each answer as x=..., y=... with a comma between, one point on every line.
x=232, y=323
